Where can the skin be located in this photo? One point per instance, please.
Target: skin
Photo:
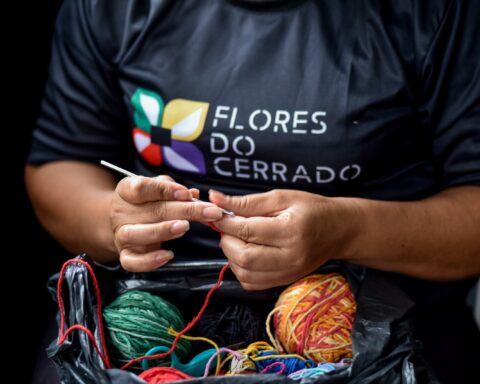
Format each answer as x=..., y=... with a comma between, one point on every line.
x=280, y=236
x=275, y=237
x=85, y=209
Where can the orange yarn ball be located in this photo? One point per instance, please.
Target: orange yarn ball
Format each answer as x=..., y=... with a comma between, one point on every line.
x=313, y=318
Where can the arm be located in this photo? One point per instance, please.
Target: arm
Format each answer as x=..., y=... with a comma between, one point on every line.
x=81, y=205
x=72, y=201
x=436, y=238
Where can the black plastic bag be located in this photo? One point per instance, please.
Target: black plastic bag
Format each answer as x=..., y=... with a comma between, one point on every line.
x=383, y=344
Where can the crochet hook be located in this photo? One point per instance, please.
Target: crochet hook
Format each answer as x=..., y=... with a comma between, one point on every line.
x=128, y=173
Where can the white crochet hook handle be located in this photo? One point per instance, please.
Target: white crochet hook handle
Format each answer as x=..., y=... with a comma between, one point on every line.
x=128, y=173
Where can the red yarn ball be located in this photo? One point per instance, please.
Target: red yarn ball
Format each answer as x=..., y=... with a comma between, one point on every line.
x=159, y=375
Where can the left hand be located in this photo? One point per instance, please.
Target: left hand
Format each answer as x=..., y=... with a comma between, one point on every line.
x=279, y=236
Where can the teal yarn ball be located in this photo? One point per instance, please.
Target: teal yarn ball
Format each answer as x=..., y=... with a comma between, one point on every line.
x=137, y=321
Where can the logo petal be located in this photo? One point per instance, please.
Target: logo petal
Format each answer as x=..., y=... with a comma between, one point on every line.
x=141, y=139
x=148, y=109
x=184, y=157
x=187, y=127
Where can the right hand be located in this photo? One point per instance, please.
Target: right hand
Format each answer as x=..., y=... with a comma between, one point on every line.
x=148, y=211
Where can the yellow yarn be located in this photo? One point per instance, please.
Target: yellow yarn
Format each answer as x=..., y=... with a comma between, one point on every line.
x=251, y=356
x=174, y=333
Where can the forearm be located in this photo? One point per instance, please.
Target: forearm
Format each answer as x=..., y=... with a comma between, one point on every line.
x=72, y=201
x=436, y=238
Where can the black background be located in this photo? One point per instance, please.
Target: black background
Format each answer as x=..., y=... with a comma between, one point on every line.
x=29, y=255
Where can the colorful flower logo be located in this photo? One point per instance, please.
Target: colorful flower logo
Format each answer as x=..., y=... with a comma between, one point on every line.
x=185, y=119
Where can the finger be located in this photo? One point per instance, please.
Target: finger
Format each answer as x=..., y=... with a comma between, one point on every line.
x=164, y=178
x=144, y=234
x=254, y=280
x=165, y=211
x=140, y=190
x=176, y=210
x=144, y=262
x=251, y=256
x=258, y=230
x=195, y=192
x=259, y=204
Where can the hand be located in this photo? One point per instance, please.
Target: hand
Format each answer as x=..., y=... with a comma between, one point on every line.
x=280, y=236
x=148, y=211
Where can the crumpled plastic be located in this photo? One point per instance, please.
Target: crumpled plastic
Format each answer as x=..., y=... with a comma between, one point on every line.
x=383, y=344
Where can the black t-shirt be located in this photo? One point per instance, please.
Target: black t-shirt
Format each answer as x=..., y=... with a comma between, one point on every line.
x=377, y=99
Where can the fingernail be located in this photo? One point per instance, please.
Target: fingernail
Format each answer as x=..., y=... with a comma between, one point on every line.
x=180, y=226
x=212, y=213
x=182, y=194
x=164, y=256
x=210, y=191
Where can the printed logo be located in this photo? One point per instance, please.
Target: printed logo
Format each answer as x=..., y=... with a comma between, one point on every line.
x=164, y=133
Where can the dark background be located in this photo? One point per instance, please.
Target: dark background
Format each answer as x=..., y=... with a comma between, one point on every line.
x=29, y=254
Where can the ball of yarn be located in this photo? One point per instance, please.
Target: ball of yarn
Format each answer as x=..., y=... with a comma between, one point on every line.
x=313, y=318
x=290, y=364
x=137, y=321
x=159, y=375
x=230, y=323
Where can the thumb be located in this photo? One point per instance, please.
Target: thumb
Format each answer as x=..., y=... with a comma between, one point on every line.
x=258, y=204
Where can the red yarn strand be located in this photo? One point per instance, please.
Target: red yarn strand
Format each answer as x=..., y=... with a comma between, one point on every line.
x=189, y=325
x=62, y=334
x=80, y=327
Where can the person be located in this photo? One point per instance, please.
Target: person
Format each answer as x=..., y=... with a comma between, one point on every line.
x=333, y=130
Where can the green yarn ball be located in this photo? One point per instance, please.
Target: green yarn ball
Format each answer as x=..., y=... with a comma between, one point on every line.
x=137, y=321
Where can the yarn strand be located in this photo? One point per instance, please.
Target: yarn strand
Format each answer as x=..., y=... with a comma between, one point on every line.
x=188, y=326
x=80, y=327
x=313, y=317
x=62, y=334
x=204, y=339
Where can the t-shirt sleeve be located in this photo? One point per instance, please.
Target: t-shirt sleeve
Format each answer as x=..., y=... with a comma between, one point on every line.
x=451, y=94
x=82, y=115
